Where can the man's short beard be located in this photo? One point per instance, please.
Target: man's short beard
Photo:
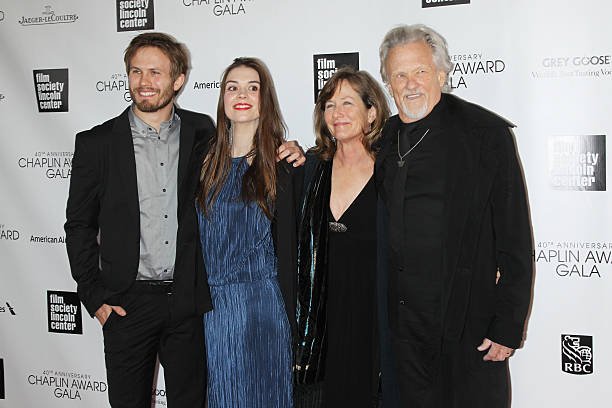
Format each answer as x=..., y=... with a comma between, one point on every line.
x=148, y=107
x=412, y=115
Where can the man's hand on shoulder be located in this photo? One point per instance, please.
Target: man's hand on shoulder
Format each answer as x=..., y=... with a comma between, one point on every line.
x=497, y=352
x=105, y=310
x=292, y=152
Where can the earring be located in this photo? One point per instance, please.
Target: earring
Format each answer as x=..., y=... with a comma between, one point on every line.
x=331, y=137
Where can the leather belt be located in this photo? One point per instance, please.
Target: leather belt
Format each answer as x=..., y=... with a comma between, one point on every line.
x=153, y=286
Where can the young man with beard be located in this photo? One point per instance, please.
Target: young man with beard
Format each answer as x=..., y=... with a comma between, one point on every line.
x=455, y=236
x=132, y=235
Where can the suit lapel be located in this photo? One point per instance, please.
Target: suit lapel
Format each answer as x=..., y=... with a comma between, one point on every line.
x=187, y=137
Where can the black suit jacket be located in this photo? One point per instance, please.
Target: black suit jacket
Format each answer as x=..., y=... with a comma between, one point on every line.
x=487, y=228
x=102, y=214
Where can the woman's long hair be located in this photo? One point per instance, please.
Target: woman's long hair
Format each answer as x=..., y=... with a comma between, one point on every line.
x=259, y=181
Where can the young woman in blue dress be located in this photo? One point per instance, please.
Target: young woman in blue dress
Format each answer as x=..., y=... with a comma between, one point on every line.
x=246, y=212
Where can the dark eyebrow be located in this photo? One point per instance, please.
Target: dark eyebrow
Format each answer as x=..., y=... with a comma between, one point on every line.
x=235, y=82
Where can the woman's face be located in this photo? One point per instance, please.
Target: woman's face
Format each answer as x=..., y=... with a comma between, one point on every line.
x=241, y=95
x=346, y=116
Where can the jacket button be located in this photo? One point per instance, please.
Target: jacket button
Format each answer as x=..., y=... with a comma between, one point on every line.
x=402, y=302
x=400, y=269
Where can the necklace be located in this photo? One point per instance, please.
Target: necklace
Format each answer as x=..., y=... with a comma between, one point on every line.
x=400, y=162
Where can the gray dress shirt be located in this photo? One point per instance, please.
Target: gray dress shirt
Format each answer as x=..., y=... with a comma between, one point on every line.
x=157, y=156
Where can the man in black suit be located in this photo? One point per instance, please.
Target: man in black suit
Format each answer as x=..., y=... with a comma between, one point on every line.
x=455, y=237
x=132, y=233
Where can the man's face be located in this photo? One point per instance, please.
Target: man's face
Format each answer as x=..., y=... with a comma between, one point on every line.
x=151, y=85
x=414, y=80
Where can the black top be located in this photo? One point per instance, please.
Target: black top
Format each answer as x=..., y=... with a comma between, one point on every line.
x=417, y=189
x=350, y=369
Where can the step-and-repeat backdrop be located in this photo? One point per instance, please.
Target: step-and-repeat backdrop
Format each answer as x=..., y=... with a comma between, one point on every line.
x=546, y=65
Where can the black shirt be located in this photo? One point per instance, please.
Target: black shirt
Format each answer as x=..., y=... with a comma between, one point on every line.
x=415, y=197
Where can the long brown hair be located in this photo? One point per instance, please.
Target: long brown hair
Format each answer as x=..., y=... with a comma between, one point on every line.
x=371, y=94
x=259, y=181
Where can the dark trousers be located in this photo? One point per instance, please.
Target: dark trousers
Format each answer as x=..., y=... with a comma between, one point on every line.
x=133, y=342
x=454, y=377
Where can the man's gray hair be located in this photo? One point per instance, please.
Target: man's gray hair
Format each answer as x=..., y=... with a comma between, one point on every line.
x=413, y=33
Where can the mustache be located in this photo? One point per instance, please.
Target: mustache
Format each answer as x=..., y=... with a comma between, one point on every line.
x=146, y=89
x=412, y=93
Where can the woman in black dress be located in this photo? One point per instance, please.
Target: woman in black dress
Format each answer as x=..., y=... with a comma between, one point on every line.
x=336, y=353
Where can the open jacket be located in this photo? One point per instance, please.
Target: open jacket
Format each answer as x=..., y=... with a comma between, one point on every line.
x=103, y=218
x=487, y=229
x=284, y=232
x=312, y=272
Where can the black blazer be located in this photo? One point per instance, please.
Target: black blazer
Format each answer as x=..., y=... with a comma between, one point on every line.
x=487, y=228
x=102, y=214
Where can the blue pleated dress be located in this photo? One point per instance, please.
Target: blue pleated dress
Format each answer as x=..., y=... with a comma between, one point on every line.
x=247, y=332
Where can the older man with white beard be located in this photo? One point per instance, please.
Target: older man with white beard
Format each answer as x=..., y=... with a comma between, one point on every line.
x=455, y=236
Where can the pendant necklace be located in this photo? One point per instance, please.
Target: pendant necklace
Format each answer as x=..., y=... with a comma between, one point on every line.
x=400, y=162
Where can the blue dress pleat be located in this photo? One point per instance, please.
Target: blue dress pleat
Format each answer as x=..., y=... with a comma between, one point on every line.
x=247, y=332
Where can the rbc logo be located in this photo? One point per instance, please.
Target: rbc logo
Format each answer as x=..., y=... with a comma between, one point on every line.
x=576, y=354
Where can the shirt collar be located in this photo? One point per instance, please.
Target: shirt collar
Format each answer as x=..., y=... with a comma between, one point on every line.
x=141, y=128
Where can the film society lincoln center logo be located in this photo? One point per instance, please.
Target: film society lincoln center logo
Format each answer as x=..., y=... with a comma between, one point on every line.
x=325, y=65
x=578, y=162
x=51, y=87
x=135, y=15
x=576, y=354
x=64, y=312
x=437, y=3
